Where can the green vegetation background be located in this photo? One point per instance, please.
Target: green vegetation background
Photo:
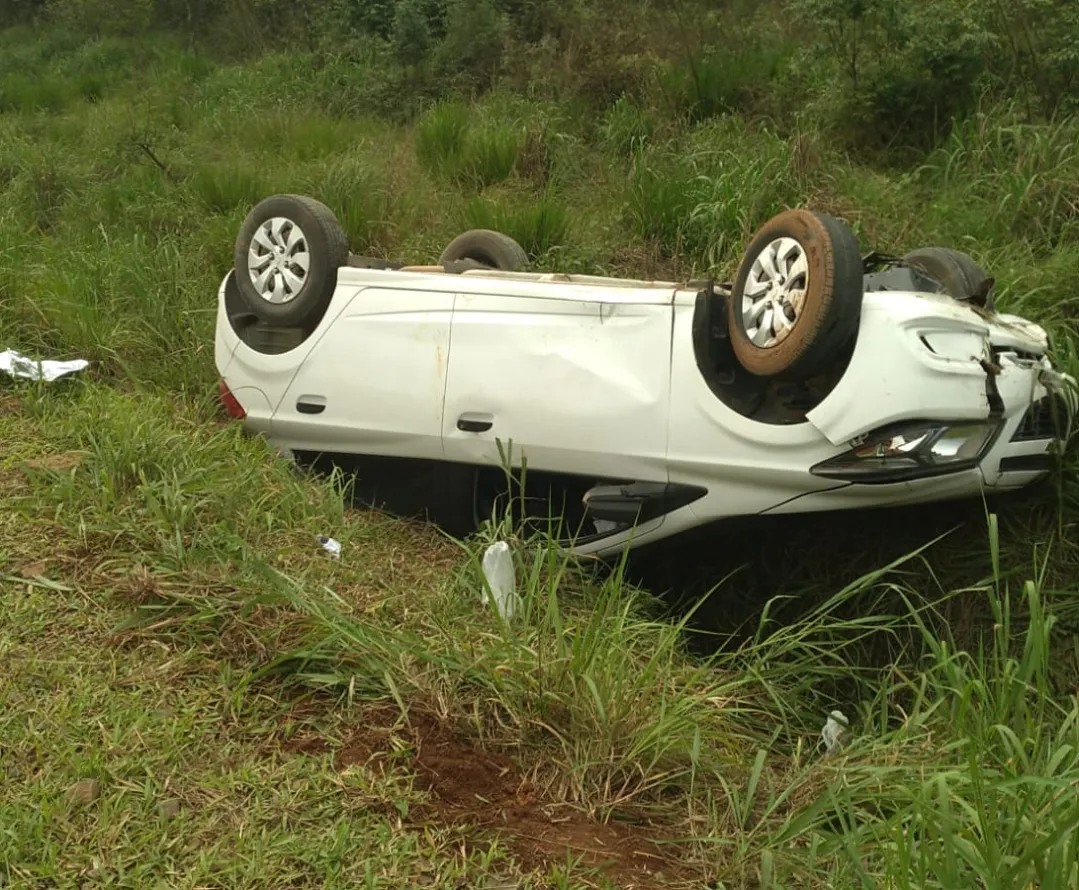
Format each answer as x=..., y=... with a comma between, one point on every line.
x=158, y=642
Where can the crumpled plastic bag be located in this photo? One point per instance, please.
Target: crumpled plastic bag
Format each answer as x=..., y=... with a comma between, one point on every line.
x=836, y=732
x=11, y=362
x=501, y=579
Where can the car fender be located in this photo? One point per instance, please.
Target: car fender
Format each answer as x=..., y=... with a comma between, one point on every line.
x=916, y=356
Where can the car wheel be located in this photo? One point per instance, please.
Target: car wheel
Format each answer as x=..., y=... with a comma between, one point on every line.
x=798, y=295
x=961, y=277
x=287, y=254
x=492, y=249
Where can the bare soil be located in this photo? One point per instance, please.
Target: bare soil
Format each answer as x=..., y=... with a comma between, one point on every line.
x=485, y=790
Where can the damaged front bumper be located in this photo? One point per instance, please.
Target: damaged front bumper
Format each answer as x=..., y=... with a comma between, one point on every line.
x=937, y=388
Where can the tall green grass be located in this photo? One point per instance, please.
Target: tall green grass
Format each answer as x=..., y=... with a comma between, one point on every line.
x=1021, y=176
x=963, y=769
x=538, y=225
x=452, y=142
x=710, y=84
x=959, y=769
x=704, y=195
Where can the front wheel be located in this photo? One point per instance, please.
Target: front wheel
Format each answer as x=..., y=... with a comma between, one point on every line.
x=798, y=295
x=961, y=277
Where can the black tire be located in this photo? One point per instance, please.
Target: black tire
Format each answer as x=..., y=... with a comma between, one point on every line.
x=326, y=249
x=827, y=317
x=961, y=277
x=492, y=249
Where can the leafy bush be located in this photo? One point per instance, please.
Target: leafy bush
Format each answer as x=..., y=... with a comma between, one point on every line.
x=471, y=52
x=901, y=81
x=130, y=17
x=411, y=33
x=1040, y=41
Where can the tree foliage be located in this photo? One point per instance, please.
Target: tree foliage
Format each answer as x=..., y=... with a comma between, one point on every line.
x=881, y=73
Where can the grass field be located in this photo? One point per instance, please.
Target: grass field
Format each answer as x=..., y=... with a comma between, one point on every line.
x=193, y=695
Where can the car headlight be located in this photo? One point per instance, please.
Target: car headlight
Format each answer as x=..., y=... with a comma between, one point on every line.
x=912, y=451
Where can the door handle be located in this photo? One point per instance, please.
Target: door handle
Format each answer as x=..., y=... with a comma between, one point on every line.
x=310, y=404
x=475, y=423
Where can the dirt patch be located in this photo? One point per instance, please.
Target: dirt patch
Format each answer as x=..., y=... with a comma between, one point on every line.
x=34, y=570
x=10, y=404
x=469, y=786
x=56, y=462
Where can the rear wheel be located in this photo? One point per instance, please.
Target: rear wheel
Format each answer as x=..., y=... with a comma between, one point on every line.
x=286, y=258
x=491, y=249
x=961, y=277
x=797, y=297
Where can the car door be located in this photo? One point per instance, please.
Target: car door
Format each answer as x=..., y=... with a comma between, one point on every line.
x=578, y=386
x=375, y=381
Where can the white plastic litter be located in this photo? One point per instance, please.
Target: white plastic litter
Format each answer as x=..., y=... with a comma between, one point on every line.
x=501, y=579
x=18, y=365
x=835, y=732
x=331, y=546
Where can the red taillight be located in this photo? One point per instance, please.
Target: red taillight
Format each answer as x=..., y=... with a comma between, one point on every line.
x=232, y=405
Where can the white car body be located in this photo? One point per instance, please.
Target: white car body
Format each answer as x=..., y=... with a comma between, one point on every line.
x=599, y=378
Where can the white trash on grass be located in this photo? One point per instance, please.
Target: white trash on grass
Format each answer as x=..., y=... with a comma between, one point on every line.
x=501, y=579
x=331, y=546
x=18, y=365
x=835, y=733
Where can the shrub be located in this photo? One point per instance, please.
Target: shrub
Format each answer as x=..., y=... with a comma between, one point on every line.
x=902, y=83
x=472, y=49
x=411, y=34
x=102, y=16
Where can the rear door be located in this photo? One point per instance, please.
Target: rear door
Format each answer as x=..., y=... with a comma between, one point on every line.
x=374, y=383
x=577, y=386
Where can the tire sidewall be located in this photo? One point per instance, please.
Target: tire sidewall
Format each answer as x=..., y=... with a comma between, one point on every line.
x=493, y=249
x=959, y=275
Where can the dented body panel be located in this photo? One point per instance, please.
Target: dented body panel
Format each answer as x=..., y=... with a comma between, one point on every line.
x=566, y=382
x=917, y=356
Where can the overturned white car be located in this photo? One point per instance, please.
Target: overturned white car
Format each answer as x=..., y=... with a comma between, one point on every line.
x=818, y=379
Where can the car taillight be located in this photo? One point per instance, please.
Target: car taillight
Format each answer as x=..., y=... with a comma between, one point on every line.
x=232, y=405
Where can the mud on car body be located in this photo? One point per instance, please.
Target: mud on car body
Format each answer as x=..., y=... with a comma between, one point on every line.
x=817, y=379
